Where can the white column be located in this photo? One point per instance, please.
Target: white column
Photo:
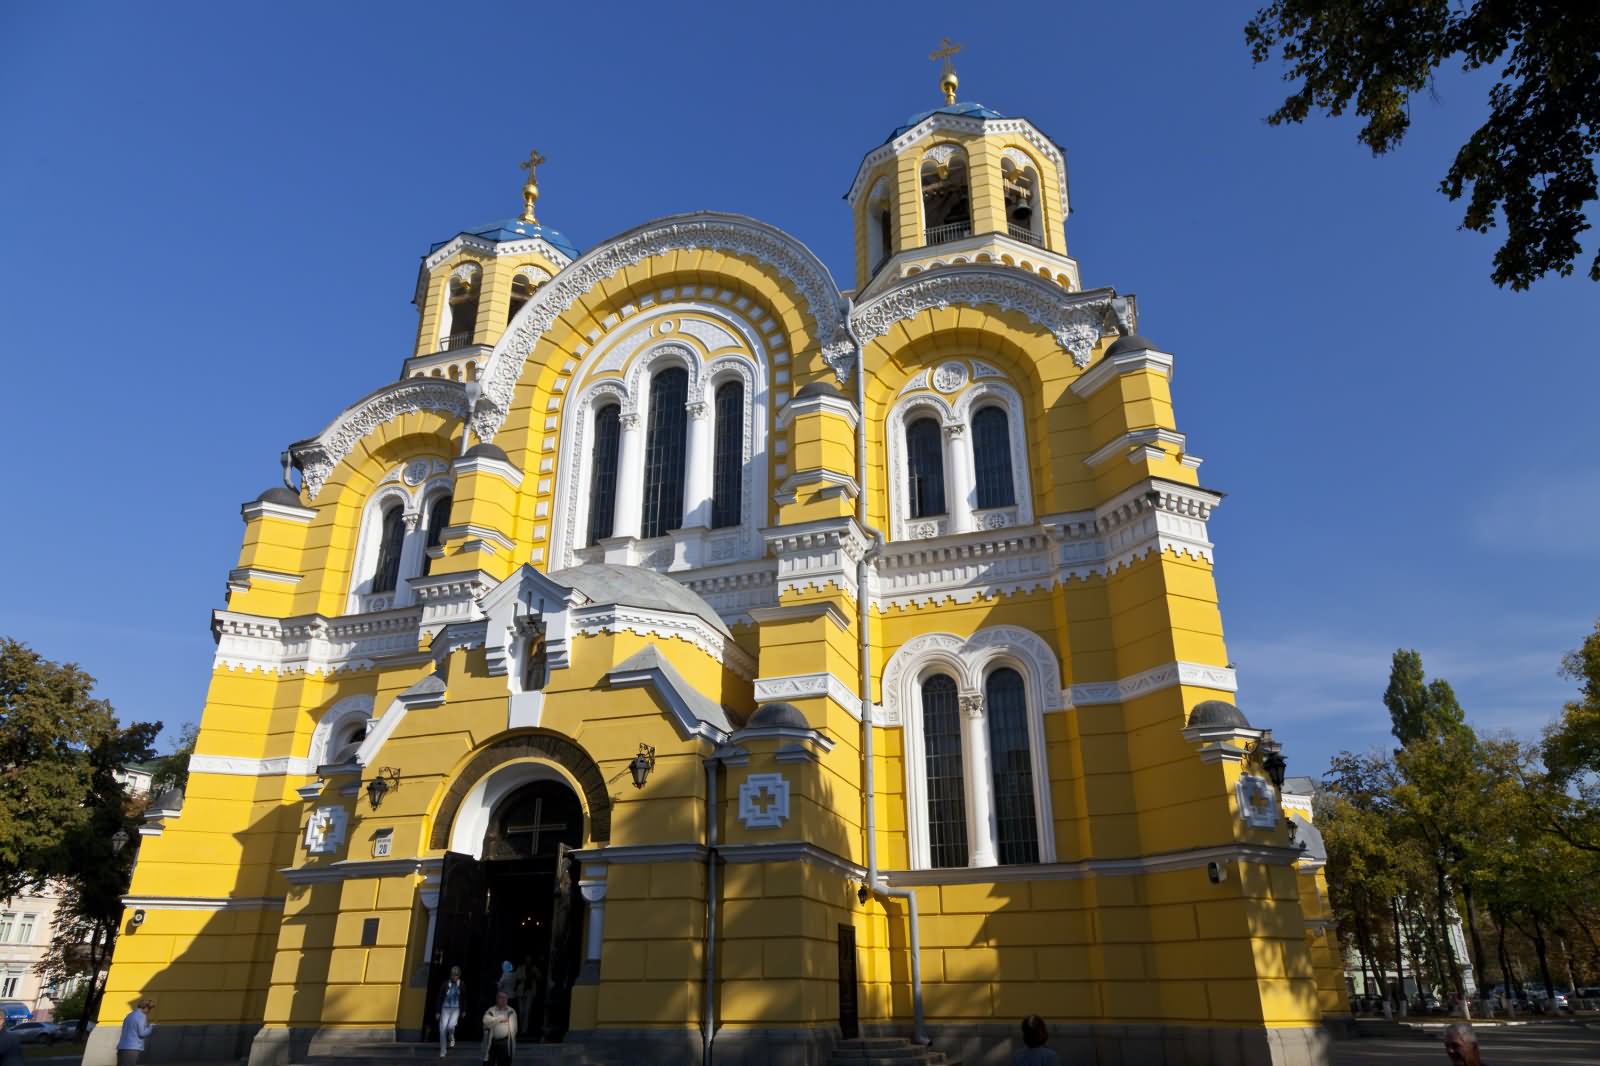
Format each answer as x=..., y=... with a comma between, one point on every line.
x=428, y=894
x=697, y=467
x=594, y=894
x=411, y=550
x=981, y=849
x=958, y=487
x=630, y=477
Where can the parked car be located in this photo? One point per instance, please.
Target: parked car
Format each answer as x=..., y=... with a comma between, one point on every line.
x=15, y=1012
x=69, y=1028
x=36, y=1032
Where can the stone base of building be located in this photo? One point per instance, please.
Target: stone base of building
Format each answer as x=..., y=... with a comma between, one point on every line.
x=175, y=1043
x=660, y=1046
x=280, y=1046
x=1131, y=1045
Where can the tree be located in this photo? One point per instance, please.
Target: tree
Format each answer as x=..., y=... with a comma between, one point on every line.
x=1571, y=751
x=1530, y=162
x=172, y=771
x=1418, y=708
x=48, y=724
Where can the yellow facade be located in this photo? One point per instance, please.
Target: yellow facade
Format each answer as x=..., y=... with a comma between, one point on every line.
x=885, y=618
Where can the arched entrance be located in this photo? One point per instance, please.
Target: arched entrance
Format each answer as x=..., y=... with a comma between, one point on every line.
x=516, y=900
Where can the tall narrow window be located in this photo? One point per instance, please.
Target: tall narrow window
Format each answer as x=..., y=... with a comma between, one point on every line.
x=925, y=467
x=438, y=518
x=941, y=744
x=727, y=467
x=991, y=458
x=462, y=304
x=1016, y=827
x=946, y=208
x=393, y=538
x=521, y=291
x=603, y=475
x=885, y=231
x=664, y=453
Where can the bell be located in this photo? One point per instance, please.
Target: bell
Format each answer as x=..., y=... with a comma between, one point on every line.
x=1022, y=213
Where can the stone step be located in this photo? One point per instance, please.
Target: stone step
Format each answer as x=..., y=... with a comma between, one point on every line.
x=361, y=1053
x=886, y=1051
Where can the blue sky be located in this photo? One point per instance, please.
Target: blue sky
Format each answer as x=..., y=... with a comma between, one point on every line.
x=213, y=216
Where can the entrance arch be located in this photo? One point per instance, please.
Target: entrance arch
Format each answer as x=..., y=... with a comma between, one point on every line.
x=527, y=749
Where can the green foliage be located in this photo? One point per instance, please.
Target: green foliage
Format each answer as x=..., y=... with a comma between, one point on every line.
x=1419, y=708
x=73, y=1003
x=172, y=771
x=1530, y=162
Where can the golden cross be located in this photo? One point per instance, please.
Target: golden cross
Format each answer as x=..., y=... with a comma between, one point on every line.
x=533, y=160
x=944, y=52
x=530, y=191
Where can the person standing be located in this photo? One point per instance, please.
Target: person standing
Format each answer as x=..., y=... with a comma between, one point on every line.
x=499, y=1031
x=136, y=1029
x=1034, y=1037
x=449, y=1010
x=528, y=986
x=508, y=981
x=10, y=1046
x=1461, y=1045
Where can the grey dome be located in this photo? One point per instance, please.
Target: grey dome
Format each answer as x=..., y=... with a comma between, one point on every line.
x=1217, y=713
x=1310, y=837
x=817, y=388
x=1132, y=342
x=634, y=586
x=280, y=495
x=484, y=450
x=786, y=715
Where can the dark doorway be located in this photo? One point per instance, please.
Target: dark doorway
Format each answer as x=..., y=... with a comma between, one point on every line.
x=849, y=1014
x=517, y=905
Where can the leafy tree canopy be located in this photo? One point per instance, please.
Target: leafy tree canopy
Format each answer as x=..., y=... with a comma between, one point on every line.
x=1419, y=708
x=1532, y=160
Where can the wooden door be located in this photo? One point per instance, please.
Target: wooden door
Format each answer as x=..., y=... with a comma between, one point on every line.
x=458, y=941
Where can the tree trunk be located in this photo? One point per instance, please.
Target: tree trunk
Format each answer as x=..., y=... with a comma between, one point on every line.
x=1444, y=931
x=97, y=984
x=1399, y=951
x=1371, y=972
x=1505, y=966
x=1477, y=938
x=1544, y=961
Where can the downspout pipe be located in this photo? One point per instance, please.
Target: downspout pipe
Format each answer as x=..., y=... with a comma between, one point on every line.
x=709, y=1015
x=864, y=661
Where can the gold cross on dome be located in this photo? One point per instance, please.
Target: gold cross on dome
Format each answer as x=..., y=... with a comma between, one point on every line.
x=947, y=78
x=530, y=191
x=945, y=50
x=533, y=160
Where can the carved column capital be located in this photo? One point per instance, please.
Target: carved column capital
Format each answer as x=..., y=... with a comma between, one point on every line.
x=698, y=409
x=972, y=704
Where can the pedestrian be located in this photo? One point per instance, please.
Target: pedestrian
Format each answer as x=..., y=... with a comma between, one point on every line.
x=136, y=1028
x=499, y=1031
x=1461, y=1044
x=10, y=1046
x=1034, y=1038
x=528, y=987
x=449, y=1010
x=508, y=980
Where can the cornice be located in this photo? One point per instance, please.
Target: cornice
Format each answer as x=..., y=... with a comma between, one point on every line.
x=806, y=686
x=943, y=123
x=242, y=766
x=1110, y=367
x=265, y=509
x=1076, y=320
x=1264, y=854
x=734, y=234
x=494, y=250
x=805, y=405
x=1133, y=439
x=357, y=869
x=313, y=643
x=618, y=618
x=477, y=464
x=203, y=903
x=317, y=456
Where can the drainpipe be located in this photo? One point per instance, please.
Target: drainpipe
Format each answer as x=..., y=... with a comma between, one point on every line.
x=709, y=1023
x=864, y=662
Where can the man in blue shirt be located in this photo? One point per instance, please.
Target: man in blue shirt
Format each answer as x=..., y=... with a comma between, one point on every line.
x=136, y=1028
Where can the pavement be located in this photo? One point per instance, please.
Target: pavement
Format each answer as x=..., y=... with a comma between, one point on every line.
x=1556, y=1042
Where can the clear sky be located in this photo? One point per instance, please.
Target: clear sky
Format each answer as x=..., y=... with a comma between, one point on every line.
x=213, y=215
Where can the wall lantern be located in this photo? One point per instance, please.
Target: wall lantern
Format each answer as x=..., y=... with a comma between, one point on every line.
x=138, y=917
x=119, y=840
x=383, y=782
x=642, y=764
x=1274, y=763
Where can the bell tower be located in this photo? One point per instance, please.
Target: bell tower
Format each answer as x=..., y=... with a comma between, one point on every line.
x=958, y=184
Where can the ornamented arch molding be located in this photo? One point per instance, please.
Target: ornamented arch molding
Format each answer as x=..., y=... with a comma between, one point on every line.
x=735, y=234
x=1076, y=320
x=551, y=746
x=318, y=456
x=971, y=659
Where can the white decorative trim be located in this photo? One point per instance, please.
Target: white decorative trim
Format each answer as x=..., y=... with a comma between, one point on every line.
x=240, y=578
x=483, y=246
x=312, y=643
x=635, y=854
x=728, y=233
x=242, y=766
x=267, y=509
x=358, y=869
x=675, y=693
x=477, y=464
x=1135, y=438
x=806, y=686
x=317, y=456
x=1194, y=858
x=325, y=830
x=621, y=618
x=805, y=405
x=203, y=903
x=834, y=485
x=1076, y=320
x=815, y=555
x=1200, y=675
x=771, y=815
x=336, y=718
x=789, y=851
x=1093, y=379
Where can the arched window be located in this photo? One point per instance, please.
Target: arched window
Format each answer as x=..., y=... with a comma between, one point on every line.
x=727, y=466
x=521, y=292
x=879, y=227
x=925, y=468
x=1016, y=827
x=991, y=458
x=941, y=744
x=1023, y=217
x=391, y=543
x=946, y=201
x=665, y=437
x=438, y=518
x=462, y=304
x=603, y=475
x=345, y=742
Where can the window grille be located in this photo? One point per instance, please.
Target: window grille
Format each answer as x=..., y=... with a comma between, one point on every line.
x=726, y=470
x=991, y=458
x=941, y=744
x=1016, y=827
x=925, y=467
x=603, y=486
x=387, y=574
x=664, y=453
x=438, y=518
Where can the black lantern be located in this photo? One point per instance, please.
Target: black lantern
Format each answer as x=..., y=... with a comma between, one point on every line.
x=383, y=782
x=119, y=839
x=642, y=764
x=1274, y=764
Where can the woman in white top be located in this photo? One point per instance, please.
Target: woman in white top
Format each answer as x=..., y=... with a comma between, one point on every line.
x=136, y=1028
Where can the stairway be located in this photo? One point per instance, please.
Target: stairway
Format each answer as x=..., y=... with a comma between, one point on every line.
x=886, y=1051
x=377, y=1053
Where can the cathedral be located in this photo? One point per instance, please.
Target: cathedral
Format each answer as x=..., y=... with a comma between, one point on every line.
x=765, y=671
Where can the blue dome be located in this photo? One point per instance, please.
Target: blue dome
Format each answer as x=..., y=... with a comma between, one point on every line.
x=971, y=110
x=514, y=229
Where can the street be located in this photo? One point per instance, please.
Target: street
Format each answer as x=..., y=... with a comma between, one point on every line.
x=1553, y=1043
